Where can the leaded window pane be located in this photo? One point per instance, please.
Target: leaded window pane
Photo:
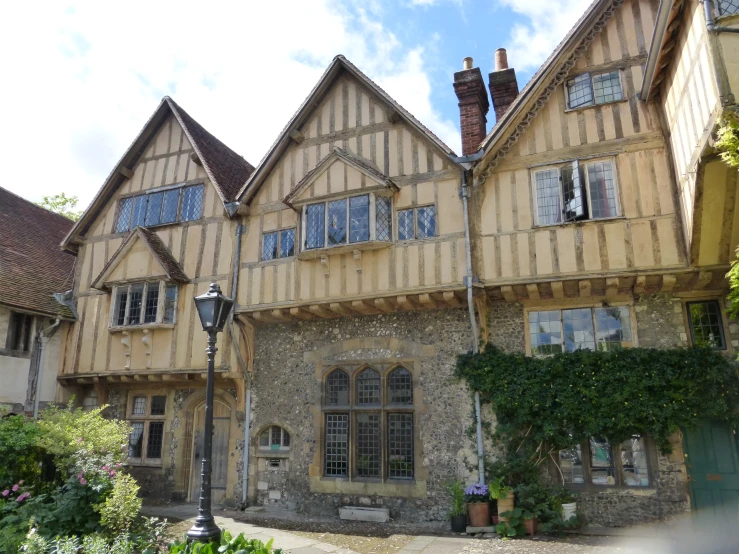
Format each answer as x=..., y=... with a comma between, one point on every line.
x=285, y=438
x=579, y=91
x=368, y=387
x=152, y=300
x=578, y=329
x=337, y=222
x=154, y=208
x=171, y=206
x=570, y=464
x=124, y=215
x=383, y=218
x=158, y=405
x=706, y=325
x=602, y=469
x=192, y=203
x=573, y=192
x=426, y=222
x=337, y=445
x=545, y=329
x=120, y=309
x=264, y=439
x=406, y=229
x=287, y=243
x=135, y=440
x=369, y=454
x=170, y=303
x=548, y=209
x=155, y=439
x=315, y=226
x=612, y=327
x=400, y=445
x=337, y=388
x=607, y=87
x=269, y=246
x=139, y=406
x=139, y=211
x=400, y=387
x=727, y=7
x=634, y=462
x=276, y=436
x=359, y=218
x=602, y=190
x=136, y=300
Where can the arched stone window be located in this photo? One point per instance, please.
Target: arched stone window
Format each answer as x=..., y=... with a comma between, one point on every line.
x=369, y=434
x=274, y=437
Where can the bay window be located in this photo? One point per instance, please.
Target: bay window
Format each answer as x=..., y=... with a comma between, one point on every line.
x=145, y=303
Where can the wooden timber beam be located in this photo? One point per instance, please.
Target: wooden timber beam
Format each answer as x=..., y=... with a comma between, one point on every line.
x=297, y=136
x=427, y=302
x=196, y=159
x=126, y=379
x=532, y=290
x=280, y=315
x=363, y=307
x=640, y=285
x=668, y=283
x=450, y=299
x=154, y=377
x=585, y=287
x=508, y=293
x=393, y=116
x=558, y=289
x=300, y=313
x=321, y=310
x=704, y=278
x=341, y=308
x=406, y=303
x=140, y=378
x=386, y=305
x=611, y=287
x=127, y=173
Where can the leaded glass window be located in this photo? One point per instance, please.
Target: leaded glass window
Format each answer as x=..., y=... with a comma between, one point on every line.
x=359, y=208
x=400, y=445
x=139, y=211
x=269, y=246
x=556, y=331
x=417, y=223
x=158, y=405
x=400, y=386
x=274, y=437
x=136, y=299
x=545, y=330
x=154, y=209
x=406, y=225
x=315, y=226
x=337, y=445
x=337, y=388
x=369, y=447
x=384, y=218
x=157, y=208
x=124, y=215
x=154, y=442
x=368, y=387
x=146, y=415
x=607, y=87
x=120, y=310
x=571, y=465
x=579, y=91
x=171, y=206
x=548, y=206
x=613, y=327
x=192, y=202
x=588, y=90
x=138, y=304
x=287, y=243
x=426, y=222
x=278, y=244
x=602, y=190
x=170, y=303
x=152, y=300
x=728, y=7
x=135, y=440
x=573, y=193
x=337, y=230
x=706, y=326
x=578, y=329
x=139, y=405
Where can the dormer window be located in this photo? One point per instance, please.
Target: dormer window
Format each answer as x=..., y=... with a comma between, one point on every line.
x=160, y=207
x=350, y=220
x=147, y=303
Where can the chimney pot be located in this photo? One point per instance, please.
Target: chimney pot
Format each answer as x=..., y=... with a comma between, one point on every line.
x=473, y=106
x=467, y=63
x=501, y=59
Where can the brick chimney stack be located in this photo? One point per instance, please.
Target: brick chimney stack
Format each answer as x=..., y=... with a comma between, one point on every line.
x=503, y=84
x=473, y=106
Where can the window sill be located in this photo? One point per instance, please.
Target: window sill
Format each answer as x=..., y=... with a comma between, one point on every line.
x=316, y=253
x=262, y=453
x=157, y=464
x=590, y=106
x=121, y=328
x=578, y=221
x=415, y=241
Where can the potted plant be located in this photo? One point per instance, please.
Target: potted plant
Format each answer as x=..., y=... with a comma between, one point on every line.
x=503, y=495
x=477, y=496
x=512, y=523
x=569, y=504
x=533, y=499
x=459, y=512
x=530, y=522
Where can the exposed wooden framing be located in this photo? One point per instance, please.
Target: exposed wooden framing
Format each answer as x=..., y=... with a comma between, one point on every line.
x=558, y=290
x=393, y=116
x=280, y=315
x=481, y=305
x=300, y=313
x=363, y=307
x=640, y=285
x=154, y=377
x=450, y=299
x=297, y=136
x=341, y=308
x=140, y=378
x=321, y=310
x=611, y=287
x=386, y=305
x=585, y=287
x=126, y=379
x=127, y=173
x=668, y=283
x=427, y=301
x=704, y=278
x=196, y=159
x=532, y=290
x=406, y=303
x=508, y=293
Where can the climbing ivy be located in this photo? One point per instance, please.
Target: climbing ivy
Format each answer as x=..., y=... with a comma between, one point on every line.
x=543, y=405
x=727, y=142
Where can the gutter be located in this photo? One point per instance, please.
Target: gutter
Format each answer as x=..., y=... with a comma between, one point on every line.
x=466, y=163
x=44, y=336
x=658, y=37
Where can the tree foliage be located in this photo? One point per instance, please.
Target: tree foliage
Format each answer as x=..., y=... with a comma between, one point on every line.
x=728, y=139
x=19, y=453
x=62, y=205
x=543, y=405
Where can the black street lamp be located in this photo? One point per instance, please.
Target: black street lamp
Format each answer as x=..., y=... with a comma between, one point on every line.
x=213, y=309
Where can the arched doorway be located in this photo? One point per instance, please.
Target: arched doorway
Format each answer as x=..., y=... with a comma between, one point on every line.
x=221, y=425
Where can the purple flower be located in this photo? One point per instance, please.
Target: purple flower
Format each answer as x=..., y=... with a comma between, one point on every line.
x=112, y=473
x=20, y=499
x=83, y=481
x=6, y=492
x=105, y=467
x=477, y=490
x=118, y=464
x=15, y=488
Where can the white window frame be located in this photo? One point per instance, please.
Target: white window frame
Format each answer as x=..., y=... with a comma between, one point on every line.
x=593, y=103
x=161, y=301
x=269, y=448
x=146, y=419
x=357, y=245
x=583, y=164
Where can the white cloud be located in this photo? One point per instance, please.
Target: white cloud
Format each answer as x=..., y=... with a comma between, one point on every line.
x=548, y=23
x=87, y=77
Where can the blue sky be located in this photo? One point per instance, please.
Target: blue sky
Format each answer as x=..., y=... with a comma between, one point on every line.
x=88, y=74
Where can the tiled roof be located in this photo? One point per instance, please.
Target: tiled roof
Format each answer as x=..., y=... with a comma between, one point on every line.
x=227, y=169
x=32, y=267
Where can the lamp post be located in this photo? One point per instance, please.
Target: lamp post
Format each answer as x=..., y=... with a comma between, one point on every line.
x=213, y=309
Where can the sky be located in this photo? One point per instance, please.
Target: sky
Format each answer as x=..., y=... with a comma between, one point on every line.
x=87, y=75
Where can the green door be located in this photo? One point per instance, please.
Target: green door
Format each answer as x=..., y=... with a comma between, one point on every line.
x=712, y=460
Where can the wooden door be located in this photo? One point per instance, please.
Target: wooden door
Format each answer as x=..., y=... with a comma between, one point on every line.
x=221, y=425
x=712, y=460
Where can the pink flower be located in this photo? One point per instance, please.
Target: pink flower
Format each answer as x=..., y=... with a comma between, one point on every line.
x=80, y=474
x=112, y=473
x=20, y=499
x=79, y=440
x=118, y=464
x=15, y=488
x=6, y=492
x=83, y=481
x=105, y=468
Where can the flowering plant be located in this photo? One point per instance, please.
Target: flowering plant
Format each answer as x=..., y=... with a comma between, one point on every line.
x=476, y=493
x=15, y=493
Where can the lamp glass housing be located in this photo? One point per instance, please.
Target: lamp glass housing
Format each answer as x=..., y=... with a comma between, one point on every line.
x=213, y=308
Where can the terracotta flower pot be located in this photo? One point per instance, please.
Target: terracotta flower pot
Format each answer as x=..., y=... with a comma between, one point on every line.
x=495, y=519
x=479, y=513
x=505, y=505
x=530, y=525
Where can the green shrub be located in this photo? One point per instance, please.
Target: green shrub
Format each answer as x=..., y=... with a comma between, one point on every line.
x=122, y=507
x=19, y=450
x=456, y=490
x=228, y=545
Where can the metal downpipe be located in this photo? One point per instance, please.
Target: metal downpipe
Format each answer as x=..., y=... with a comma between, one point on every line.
x=710, y=22
x=44, y=337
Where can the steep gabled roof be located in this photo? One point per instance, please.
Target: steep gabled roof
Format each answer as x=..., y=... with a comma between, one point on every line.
x=347, y=157
x=666, y=32
x=224, y=167
x=157, y=248
x=336, y=67
x=32, y=267
x=550, y=75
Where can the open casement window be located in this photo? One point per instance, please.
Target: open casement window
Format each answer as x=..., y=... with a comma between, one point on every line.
x=20, y=332
x=146, y=414
x=597, y=463
x=368, y=423
x=575, y=191
x=555, y=331
x=593, y=89
x=274, y=438
x=278, y=244
x=347, y=221
x=160, y=207
x=146, y=303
